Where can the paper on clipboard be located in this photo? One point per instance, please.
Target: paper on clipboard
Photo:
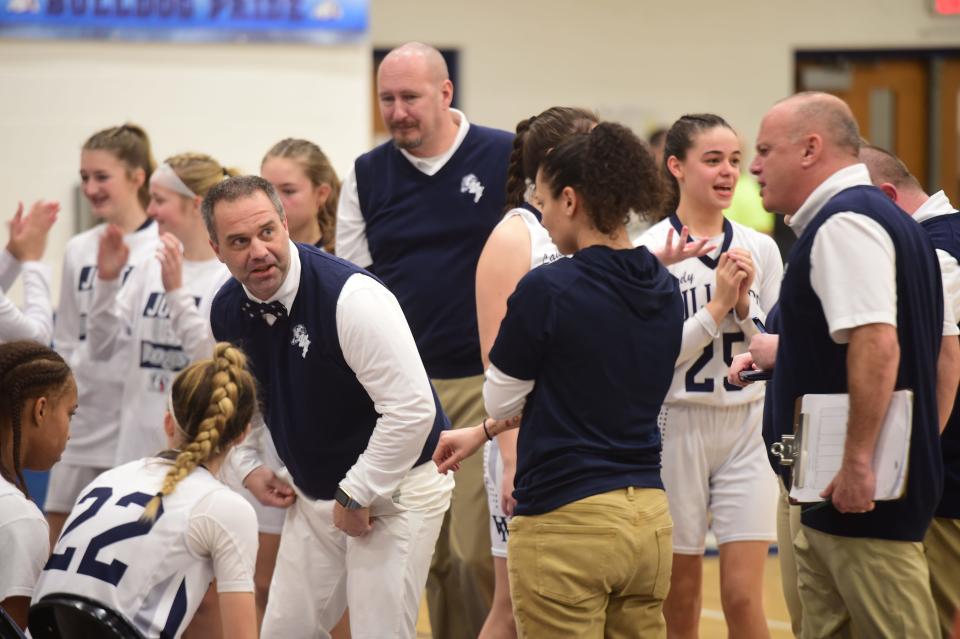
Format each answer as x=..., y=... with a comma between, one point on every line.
x=823, y=423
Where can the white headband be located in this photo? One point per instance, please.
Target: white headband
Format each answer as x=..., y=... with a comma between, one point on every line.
x=166, y=177
x=173, y=416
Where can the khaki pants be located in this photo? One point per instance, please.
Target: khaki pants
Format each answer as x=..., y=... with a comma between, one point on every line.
x=942, y=546
x=788, y=523
x=596, y=568
x=863, y=588
x=460, y=585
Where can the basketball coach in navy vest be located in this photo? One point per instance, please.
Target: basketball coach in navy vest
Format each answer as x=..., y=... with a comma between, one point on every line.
x=416, y=211
x=353, y=416
x=861, y=312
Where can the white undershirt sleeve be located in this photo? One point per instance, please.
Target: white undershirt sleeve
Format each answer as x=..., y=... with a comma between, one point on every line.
x=950, y=276
x=698, y=331
x=190, y=325
x=772, y=274
x=9, y=269
x=223, y=526
x=377, y=345
x=104, y=323
x=66, y=330
x=26, y=546
x=504, y=396
x=247, y=456
x=351, y=228
x=855, y=287
x=769, y=267
x=35, y=321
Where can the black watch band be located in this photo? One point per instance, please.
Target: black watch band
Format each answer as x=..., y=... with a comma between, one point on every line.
x=344, y=499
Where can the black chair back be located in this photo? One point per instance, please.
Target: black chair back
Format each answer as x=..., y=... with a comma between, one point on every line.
x=9, y=629
x=63, y=616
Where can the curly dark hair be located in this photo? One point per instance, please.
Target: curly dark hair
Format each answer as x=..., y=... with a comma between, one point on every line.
x=611, y=169
x=535, y=137
x=27, y=370
x=681, y=137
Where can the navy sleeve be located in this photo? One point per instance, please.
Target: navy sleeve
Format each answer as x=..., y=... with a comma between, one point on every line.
x=520, y=345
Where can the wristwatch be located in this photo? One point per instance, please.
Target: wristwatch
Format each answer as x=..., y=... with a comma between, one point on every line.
x=344, y=499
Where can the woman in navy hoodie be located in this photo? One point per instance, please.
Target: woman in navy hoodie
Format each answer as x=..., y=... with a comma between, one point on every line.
x=585, y=354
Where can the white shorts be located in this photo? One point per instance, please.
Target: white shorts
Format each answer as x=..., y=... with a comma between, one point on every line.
x=493, y=479
x=66, y=483
x=269, y=518
x=714, y=463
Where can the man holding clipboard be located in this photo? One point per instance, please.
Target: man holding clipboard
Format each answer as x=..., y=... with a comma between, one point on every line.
x=860, y=312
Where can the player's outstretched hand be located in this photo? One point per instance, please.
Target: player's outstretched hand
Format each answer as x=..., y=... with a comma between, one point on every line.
x=112, y=254
x=170, y=256
x=456, y=445
x=742, y=362
x=269, y=489
x=355, y=523
x=682, y=249
x=28, y=233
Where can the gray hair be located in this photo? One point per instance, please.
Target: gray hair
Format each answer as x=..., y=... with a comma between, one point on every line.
x=233, y=189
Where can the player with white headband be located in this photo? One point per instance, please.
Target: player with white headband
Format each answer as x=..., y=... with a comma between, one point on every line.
x=164, y=312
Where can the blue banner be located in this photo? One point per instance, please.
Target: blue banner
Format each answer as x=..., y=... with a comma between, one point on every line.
x=186, y=20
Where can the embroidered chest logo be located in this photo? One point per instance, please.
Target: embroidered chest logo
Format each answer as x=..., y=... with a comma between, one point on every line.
x=301, y=339
x=470, y=184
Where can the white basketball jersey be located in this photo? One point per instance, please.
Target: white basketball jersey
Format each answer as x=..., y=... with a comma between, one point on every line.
x=156, y=352
x=145, y=572
x=542, y=248
x=701, y=373
x=93, y=431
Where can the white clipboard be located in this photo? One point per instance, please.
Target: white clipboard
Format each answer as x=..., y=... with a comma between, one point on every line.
x=821, y=428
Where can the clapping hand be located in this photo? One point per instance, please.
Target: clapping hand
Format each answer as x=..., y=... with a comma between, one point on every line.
x=744, y=262
x=170, y=256
x=28, y=233
x=113, y=253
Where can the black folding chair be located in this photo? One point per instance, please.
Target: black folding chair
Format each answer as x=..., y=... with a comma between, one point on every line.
x=63, y=616
x=9, y=629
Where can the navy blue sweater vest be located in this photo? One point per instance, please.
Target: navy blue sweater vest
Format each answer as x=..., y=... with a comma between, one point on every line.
x=319, y=415
x=425, y=235
x=772, y=431
x=808, y=361
x=944, y=232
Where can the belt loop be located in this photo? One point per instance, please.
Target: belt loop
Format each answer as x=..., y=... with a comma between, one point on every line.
x=630, y=494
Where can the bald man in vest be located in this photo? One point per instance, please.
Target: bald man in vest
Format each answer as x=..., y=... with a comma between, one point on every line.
x=861, y=312
x=416, y=211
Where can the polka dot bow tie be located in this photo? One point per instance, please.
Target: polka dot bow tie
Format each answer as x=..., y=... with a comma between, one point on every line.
x=260, y=309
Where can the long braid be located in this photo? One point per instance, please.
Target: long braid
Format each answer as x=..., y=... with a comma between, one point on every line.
x=16, y=423
x=516, y=181
x=231, y=392
x=27, y=370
